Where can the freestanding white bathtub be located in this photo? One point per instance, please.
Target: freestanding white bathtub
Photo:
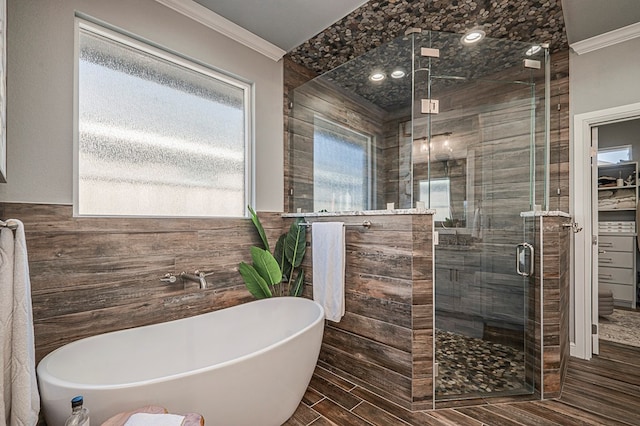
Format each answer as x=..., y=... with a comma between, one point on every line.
x=245, y=365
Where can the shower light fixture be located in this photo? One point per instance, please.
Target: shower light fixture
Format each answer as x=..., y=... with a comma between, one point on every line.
x=377, y=76
x=398, y=73
x=533, y=50
x=472, y=37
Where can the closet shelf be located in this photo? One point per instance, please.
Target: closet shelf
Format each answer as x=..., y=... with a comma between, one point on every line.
x=617, y=232
x=612, y=188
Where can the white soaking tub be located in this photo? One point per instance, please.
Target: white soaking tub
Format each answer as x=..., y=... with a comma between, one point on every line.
x=245, y=365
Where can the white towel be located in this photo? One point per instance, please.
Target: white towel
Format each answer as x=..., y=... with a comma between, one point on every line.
x=328, y=252
x=148, y=419
x=20, y=403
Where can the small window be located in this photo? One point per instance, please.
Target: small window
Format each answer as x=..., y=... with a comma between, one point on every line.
x=157, y=135
x=341, y=168
x=437, y=195
x=615, y=155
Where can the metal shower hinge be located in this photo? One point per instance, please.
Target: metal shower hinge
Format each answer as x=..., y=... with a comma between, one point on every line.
x=429, y=52
x=532, y=63
x=430, y=106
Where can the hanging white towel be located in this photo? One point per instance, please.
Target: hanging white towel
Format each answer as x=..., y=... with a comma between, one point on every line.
x=20, y=402
x=328, y=252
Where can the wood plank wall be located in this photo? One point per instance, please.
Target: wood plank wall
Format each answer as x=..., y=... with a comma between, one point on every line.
x=94, y=275
x=294, y=76
x=559, y=133
x=321, y=99
x=556, y=241
x=549, y=297
x=384, y=342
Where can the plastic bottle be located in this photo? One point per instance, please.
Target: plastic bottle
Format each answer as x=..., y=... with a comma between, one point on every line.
x=79, y=415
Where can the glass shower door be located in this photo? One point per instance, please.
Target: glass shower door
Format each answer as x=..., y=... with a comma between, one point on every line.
x=474, y=153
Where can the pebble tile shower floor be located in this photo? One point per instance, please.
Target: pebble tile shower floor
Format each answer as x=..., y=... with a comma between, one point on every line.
x=471, y=367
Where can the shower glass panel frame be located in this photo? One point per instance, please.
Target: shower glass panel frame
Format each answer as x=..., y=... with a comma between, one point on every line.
x=467, y=126
x=479, y=109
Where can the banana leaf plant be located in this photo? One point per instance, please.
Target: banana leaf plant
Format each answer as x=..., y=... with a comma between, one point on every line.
x=279, y=273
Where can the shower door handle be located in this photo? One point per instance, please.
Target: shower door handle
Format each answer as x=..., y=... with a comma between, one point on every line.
x=520, y=255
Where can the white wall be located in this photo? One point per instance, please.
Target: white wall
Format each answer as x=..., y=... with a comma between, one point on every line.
x=40, y=90
x=621, y=133
x=599, y=80
x=605, y=78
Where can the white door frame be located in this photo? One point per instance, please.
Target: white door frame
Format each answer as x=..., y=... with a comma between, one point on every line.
x=585, y=294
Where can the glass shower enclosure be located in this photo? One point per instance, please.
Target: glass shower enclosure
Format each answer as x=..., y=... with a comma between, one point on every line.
x=455, y=127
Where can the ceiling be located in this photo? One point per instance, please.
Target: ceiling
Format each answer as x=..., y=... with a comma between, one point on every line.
x=289, y=23
x=589, y=18
x=284, y=23
x=341, y=39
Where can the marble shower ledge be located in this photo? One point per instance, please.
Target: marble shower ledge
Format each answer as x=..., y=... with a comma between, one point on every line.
x=362, y=213
x=545, y=213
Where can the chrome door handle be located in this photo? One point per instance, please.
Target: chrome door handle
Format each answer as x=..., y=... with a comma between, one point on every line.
x=520, y=252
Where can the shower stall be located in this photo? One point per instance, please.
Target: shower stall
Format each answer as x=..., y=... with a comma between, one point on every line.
x=431, y=120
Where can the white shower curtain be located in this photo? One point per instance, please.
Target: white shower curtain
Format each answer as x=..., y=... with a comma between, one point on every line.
x=20, y=403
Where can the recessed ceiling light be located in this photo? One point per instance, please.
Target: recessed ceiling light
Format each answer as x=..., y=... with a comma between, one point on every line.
x=533, y=50
x=472, y=37
x=377, y=76
x=398, y=73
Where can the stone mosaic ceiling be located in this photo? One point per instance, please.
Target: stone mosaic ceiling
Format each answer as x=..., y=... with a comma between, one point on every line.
x=457, y=65
x=378, y=22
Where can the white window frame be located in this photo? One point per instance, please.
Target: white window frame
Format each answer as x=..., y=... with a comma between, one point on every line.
x=130, y=40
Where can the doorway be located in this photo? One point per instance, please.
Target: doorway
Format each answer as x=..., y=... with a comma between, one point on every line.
x=615, y=221
x=585, y=250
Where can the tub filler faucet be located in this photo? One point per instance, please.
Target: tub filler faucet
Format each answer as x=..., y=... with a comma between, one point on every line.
x=196, y=277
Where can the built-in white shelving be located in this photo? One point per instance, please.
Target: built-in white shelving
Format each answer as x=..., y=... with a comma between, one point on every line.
x=617, y=204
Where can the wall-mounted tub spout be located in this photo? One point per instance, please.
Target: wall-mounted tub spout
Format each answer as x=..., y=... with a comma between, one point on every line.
x=196, y=277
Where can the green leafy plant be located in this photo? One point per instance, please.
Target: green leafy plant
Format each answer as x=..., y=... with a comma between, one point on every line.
x=280, y=273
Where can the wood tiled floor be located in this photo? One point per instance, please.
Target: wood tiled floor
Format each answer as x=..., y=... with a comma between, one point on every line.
x=603, y=391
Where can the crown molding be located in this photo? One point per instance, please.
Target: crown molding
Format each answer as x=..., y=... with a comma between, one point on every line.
x=607, y=39
x=222, y=25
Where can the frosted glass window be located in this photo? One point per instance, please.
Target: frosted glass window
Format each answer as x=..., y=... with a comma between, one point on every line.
x=341, y=168
x=157, y=134
x=439, y=198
